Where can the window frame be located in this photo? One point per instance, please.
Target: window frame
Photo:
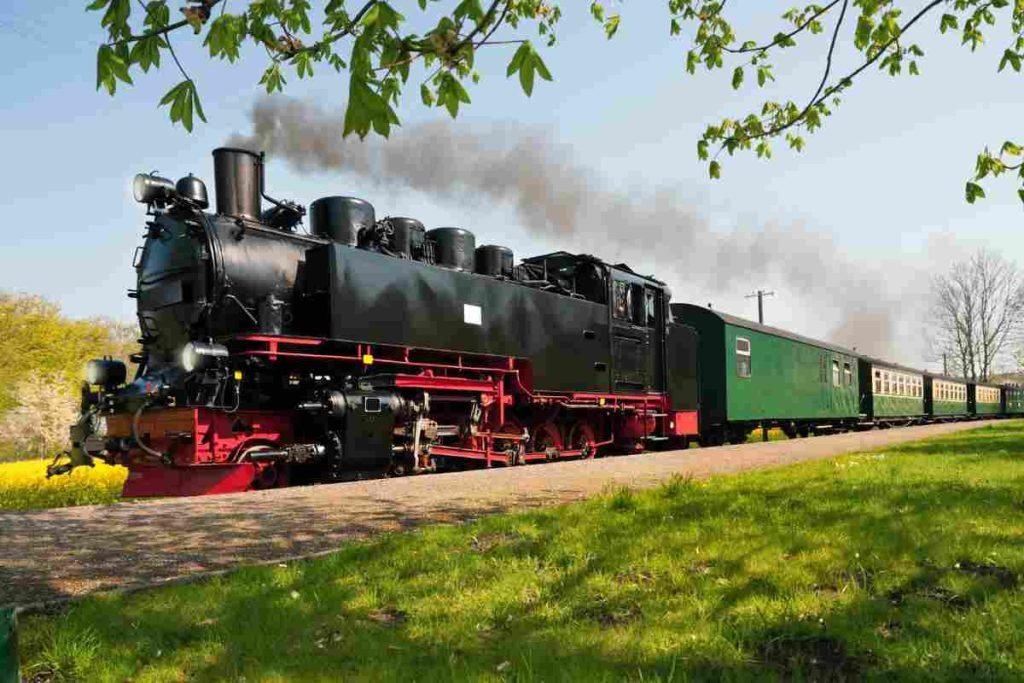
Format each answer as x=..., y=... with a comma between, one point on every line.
x=746, y=356
x=618, y=285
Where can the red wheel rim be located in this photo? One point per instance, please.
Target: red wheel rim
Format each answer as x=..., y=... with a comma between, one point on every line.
x=582, y=436
x=544, y=436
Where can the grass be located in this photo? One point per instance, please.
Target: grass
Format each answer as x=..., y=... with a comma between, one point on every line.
x=901, y=564
x=24, y=486
x=774, y=434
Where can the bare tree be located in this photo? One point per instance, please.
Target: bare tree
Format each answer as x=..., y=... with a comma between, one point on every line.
x=978, y=312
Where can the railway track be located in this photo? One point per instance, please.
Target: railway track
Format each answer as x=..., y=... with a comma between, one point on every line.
x=53, y=555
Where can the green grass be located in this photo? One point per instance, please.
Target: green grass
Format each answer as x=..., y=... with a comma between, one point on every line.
x=902, y=564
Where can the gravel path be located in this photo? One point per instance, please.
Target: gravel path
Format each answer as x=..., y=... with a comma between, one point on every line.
x=50, y=555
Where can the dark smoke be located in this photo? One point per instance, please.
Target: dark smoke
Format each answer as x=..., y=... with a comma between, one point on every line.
x=553, y=194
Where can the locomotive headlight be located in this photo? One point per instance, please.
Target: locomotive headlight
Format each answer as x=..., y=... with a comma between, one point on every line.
x=105, y=372
x=201, y=355
x=149, y=188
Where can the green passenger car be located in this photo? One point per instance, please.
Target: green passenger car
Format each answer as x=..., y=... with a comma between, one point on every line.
x=945, y=397
x=754, y=375
x=1013, y=399
x=984, y=399
x=892, y=393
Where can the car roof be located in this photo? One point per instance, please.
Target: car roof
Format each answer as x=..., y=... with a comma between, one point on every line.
x=736, y=321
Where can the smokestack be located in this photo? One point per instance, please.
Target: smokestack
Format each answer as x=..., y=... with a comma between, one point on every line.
x=236, y=176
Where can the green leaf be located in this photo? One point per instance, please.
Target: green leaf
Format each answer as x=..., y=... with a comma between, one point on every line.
x=611, y=26
x=973, y=191
x=1012, y=58
x=517, y=59
x=527, y=62
x=737, y=78
x=947, y=22
x=111, y=67
x=426, y=95
x=715, y=170
x=1020, y=193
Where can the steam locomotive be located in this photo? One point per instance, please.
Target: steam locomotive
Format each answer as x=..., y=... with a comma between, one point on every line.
x=271, y=356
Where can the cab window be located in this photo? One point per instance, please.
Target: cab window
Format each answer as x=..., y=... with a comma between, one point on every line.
x=651, y=307
x=638, y=312
x=621, y=300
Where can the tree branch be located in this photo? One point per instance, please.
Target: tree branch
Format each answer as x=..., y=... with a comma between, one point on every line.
x=206, y=6
x=843, y=82
x=787, y=36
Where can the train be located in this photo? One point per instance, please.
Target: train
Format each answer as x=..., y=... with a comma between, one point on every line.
x=272, y=355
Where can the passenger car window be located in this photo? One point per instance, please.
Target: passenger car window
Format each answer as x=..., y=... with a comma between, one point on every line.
x=878, y=382
x=835, y=373
x=847, y=375
x=743, y=367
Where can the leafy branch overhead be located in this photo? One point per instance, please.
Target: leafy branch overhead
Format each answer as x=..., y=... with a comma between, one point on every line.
x=372, y=41
x=378, y=47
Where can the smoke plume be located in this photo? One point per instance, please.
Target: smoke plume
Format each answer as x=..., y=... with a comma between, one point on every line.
x=555, y=195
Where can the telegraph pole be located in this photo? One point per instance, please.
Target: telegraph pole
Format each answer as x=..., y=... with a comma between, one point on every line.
x=760, y=294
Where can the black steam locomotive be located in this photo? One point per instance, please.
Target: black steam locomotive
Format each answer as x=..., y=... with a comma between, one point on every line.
x=271, y=356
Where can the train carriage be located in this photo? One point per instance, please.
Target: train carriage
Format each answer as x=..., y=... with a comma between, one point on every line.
x=891, y=393
x=1013, y=399
x=945, y=397
x=984, y=400
x=755, y=375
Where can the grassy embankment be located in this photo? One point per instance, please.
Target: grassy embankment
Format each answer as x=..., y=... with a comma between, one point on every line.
x=24, y=486
x=902, y=564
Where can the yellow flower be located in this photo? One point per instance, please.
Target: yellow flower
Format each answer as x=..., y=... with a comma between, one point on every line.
x=23, y=485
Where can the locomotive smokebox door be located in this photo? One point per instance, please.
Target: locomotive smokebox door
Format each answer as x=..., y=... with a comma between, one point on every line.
x=369, y=430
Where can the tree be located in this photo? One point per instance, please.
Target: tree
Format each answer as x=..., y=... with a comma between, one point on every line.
x=978, y=312
x=38, y=425
x=376, y=46
x=40, y=341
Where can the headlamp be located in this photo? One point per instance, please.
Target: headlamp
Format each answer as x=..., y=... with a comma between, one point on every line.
x=201, y=355
x=105, y=372
x=149, y=188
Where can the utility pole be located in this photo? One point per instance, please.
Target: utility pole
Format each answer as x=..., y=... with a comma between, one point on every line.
x=760, y=294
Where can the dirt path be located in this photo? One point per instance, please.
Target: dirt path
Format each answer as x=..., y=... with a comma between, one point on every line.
x=56, y=554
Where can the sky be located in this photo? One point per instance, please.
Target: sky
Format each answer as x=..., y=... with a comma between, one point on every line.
x=881, y=183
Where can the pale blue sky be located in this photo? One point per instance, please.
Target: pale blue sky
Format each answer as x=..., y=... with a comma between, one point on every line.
x=884, y=179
